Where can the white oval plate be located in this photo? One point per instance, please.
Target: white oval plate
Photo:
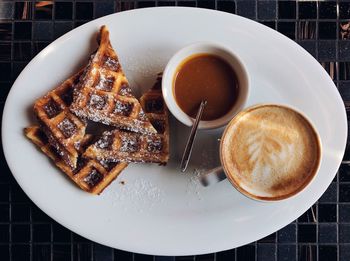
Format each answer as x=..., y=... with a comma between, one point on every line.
x=159, y=210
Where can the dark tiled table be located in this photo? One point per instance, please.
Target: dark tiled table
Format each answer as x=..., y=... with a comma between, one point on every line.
x=322, y=28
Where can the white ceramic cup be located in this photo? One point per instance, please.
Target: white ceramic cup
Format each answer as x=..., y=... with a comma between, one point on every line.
x=204, y=48
x=215, y=175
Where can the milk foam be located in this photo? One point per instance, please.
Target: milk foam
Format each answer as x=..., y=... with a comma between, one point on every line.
x=270, y=151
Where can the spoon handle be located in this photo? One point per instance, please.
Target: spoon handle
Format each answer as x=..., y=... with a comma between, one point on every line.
x=189, y=145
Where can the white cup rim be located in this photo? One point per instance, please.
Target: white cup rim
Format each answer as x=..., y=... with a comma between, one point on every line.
x=197, y=48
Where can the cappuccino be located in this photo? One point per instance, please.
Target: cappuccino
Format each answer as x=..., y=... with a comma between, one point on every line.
x=270, y=152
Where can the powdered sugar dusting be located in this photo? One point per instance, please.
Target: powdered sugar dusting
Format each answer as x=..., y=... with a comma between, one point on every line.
x=110, y=63
x=98, y=102
x=142, y=115
x=129, y=147
x=105, y=83
x=67, y=127
x=154, y=143
x=105, y=141
x=123, y=108
x=130, y=143
x=134, y=125
x=139, y=195
x=125, y=90
x=194, y=188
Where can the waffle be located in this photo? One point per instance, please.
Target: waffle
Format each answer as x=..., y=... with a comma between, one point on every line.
x=103, y=94
x=63, y=128
x=128, y=147
x=136, y=147
x=155, y=108
x=91, y=175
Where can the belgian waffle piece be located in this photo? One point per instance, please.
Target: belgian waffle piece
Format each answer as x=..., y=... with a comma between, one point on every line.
x=154, y=106
x=63, y=128
x=129, y=147
x=103, y=93
x=91, y=175
x=136, y=147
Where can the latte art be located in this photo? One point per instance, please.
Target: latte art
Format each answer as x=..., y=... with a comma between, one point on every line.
x=270, y=152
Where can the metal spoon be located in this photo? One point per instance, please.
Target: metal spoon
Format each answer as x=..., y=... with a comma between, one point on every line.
x=188, y=149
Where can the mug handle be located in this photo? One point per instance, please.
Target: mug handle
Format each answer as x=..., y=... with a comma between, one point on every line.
x=212, y=176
